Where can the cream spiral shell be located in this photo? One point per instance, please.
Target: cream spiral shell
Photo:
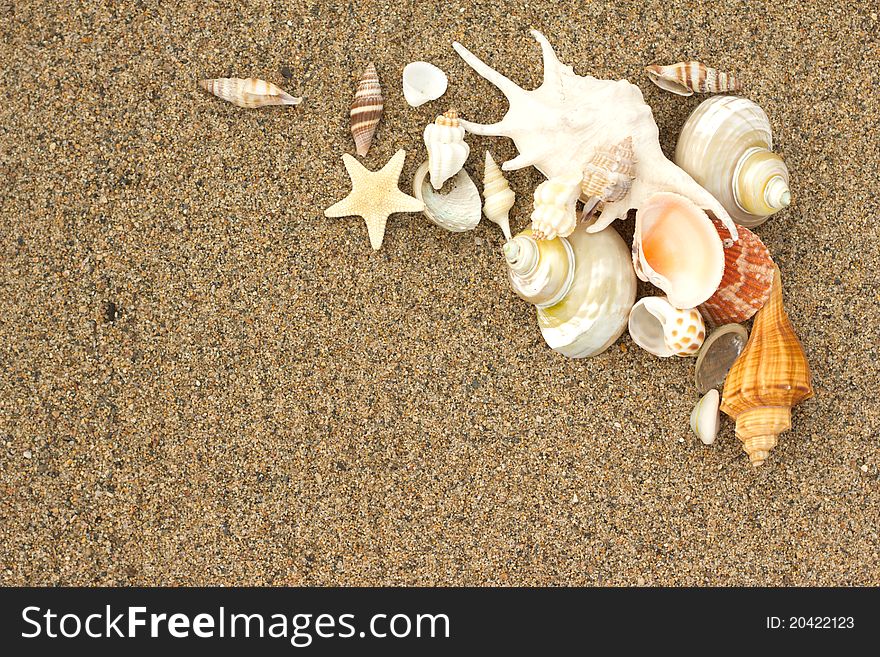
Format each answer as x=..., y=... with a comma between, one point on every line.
x=498, y=196
x=726, y=145
x=248, y=92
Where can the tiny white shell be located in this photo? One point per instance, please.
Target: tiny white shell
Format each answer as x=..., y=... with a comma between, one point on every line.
x=705, y=417
x=423, y=82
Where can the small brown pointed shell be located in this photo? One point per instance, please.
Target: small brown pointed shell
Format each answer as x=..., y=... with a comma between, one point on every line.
x=769, y=378
x=745, y=285
x=609, y=174
x=366, y=110
x=248, y=92
x=685, y=78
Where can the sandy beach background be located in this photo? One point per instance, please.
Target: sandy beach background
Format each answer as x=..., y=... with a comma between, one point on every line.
x=204, y=381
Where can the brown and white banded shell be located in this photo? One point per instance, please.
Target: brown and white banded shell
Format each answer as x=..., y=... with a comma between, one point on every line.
x=248, y=92
x=745, y=285
x=685, y=78
x=608, y=175
x=366, y=110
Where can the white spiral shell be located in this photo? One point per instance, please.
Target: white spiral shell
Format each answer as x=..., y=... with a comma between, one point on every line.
x=447, y=149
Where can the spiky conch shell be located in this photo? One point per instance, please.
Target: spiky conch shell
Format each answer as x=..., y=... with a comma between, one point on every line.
x=498, y=196
x=608, y=175
x=555, y=200
x=685, y=78
x=248, y=92
x=447, y=149
x=746, y=282
x=366, y=110
x=558, y=125
x=769, y=378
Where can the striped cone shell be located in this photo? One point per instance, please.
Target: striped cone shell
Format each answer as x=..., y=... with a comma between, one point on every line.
x=248, y=92
x=685, y=78
x=748, y=277
x=609, y=174
x=366, y=110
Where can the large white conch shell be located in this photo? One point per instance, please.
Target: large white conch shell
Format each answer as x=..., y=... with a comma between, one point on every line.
x=561, y=123
x=447, y=149
x=498, y=195
x=659, y=328
x=726, y=144
x=555, y=201
x=583, y=287
x=676, y=247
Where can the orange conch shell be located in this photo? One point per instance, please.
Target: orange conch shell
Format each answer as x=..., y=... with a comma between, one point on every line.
x=767, y=380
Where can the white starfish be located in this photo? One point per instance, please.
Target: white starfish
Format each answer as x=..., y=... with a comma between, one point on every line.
x=559, y=126
x=374, y=196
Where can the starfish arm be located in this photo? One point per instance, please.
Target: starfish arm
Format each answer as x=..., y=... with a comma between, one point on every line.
x=353, y=167
x=395, y=165
x=405, y=203
x=376, y=229
x=341, y=209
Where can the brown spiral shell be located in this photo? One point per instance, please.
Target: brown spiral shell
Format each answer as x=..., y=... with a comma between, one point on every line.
x=366, y=110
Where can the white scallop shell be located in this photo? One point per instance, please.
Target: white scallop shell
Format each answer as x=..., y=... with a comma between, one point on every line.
x=457, y=209
x=676, y=248
x=423, y=82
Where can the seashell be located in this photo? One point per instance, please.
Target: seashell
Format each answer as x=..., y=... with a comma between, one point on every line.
x=447, y=150
x=557, y=126
x=676, y=247
x=727, y=146
x=583, y=287
x=769, y=378
x=745, y=285
x=498, y=195
x=555, y=201
x=705, y=417
x=659, y=328
x=248, y=92
x=684, y=78
x=717, y=355
x=366, y=110
x=608, y=176
x=457, y=209
x=423, y=82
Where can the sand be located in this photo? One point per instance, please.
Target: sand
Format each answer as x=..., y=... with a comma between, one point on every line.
x=204, y=381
